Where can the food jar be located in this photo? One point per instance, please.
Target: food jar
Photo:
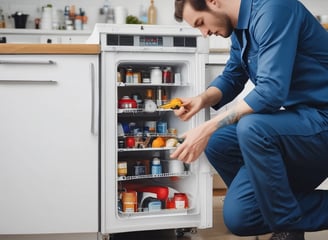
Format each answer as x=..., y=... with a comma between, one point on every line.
x=156, y=75
x=122, y=168
x=129, y=201
x=129, y=75
x=180, y=200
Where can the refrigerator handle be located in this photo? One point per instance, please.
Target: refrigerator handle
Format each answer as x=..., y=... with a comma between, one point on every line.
x=94, y=100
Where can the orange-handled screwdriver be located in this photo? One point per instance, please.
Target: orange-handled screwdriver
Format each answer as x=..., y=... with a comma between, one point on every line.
x=175, y=103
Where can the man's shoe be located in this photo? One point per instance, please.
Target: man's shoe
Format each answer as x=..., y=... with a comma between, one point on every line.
x=287, y=236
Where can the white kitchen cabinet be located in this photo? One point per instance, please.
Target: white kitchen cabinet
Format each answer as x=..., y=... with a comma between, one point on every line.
x=48, y=144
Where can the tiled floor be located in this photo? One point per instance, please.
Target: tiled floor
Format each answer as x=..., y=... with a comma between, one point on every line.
x=218, y=232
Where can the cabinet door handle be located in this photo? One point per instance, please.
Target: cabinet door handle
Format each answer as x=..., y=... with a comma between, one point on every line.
x=94, y=101
x=22, y=81
x=38, y=62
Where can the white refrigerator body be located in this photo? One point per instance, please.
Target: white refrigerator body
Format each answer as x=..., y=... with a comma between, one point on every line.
x=190, y=63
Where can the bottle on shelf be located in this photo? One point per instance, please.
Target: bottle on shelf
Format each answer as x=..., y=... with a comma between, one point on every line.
x=152, y=13
x=156, y=167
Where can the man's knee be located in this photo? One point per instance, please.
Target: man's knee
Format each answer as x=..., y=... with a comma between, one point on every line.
x=237, y=217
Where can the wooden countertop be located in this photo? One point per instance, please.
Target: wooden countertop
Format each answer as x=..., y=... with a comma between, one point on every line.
x=78, y=49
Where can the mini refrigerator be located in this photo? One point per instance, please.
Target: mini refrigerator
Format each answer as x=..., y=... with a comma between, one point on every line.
x=141, y=187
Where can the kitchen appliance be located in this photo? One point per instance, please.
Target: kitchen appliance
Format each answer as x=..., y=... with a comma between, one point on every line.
x=20, y=19
x=142, y=48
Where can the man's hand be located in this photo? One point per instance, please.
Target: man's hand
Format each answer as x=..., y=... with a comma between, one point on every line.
x=195, y=141
x=189, y=107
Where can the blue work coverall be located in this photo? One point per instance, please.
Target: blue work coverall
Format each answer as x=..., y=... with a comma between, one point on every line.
x=273, y=159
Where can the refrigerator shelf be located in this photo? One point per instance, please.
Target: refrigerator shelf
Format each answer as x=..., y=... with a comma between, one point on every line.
x=166, y=135
x=122, y=84
x=148, y=176
x=163, y=212
x=144, y=149
x=140, y=110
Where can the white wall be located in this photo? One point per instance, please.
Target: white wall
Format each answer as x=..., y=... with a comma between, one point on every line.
x=317, y=7
x=165, y=8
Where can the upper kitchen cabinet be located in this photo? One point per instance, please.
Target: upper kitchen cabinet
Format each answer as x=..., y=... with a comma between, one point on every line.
x=48, y=143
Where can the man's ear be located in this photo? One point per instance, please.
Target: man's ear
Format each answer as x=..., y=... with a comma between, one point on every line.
x=212, y=4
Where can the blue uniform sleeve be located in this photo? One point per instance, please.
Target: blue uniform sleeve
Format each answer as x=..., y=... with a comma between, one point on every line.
x=232, y=81
x=276, y=33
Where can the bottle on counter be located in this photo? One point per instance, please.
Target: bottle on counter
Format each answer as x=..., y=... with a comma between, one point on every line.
x=152, y=13
x=2, y=19
x=143, y=15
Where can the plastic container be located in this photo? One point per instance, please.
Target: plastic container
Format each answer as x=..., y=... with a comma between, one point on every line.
x=156, y=75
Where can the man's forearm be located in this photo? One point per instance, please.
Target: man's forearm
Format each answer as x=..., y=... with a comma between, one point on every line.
x=232, y=115
x=210, y=97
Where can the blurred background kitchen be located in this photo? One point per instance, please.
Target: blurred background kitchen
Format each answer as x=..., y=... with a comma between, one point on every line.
x=85, y=14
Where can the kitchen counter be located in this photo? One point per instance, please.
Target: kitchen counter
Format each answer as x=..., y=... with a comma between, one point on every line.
x=78, y=49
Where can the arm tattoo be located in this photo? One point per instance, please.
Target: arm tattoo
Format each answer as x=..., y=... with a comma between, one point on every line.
x=227, y=120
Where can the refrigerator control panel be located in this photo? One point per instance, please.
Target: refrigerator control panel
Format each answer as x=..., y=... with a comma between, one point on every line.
x=151, y=40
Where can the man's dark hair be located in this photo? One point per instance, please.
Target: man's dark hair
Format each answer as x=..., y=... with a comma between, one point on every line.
x=198, y=5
